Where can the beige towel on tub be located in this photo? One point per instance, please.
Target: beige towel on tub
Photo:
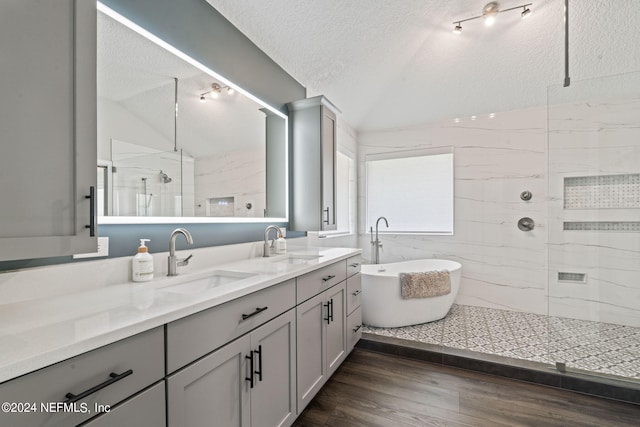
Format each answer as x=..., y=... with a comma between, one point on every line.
x=425, y=284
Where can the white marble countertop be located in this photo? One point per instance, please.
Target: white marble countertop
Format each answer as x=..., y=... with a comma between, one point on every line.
x=39, y=332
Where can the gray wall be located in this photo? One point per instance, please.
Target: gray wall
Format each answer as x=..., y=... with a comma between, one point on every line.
x=196, y=28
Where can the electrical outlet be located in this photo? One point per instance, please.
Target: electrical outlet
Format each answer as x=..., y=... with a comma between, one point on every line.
x=103, y=249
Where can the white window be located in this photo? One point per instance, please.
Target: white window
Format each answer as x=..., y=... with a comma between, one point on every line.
x=412, y=189
x=345, y=193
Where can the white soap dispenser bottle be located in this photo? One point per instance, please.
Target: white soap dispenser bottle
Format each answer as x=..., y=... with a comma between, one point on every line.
x=142, y=264
x=281, y=245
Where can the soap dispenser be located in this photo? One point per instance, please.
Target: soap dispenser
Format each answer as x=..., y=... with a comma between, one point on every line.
x=281, y=244
x=142, y=264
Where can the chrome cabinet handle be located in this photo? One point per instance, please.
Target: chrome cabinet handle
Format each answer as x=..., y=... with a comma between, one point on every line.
x=355, y=265
x=72, y=398
x=326, y=279
x=356, y=292
x=357, y=328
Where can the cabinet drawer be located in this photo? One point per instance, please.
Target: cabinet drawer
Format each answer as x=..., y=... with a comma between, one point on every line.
x=354, y=289
x=121, y=369
x=145, y=410
x=194, y=336
x=354, y=328
x=317, y=281
x=353, y=265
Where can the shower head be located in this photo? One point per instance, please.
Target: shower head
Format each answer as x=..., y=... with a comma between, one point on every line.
x=165, y=178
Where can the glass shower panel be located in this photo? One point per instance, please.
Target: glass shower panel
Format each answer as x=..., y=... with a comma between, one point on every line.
x=594, y=225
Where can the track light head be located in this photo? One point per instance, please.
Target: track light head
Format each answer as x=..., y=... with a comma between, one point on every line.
x=489, y=13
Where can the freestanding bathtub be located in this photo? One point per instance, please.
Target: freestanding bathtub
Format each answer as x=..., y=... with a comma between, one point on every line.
x=382, y=305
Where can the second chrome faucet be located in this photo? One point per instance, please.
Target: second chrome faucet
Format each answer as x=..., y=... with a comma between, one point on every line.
x=268, y=247
x=174, y=262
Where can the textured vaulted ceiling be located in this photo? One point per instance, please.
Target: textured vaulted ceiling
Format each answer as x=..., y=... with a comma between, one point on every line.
x=391, y=63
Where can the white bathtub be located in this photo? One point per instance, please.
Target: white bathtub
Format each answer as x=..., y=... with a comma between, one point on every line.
x=382, y=305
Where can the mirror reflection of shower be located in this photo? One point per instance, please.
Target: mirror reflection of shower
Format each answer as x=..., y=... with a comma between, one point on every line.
x=165, y=178
x=147, y=197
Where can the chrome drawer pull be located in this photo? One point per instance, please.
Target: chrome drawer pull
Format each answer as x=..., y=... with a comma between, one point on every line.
x=258, y=310
x=71, y=398
x=357, y=328
x=356, y=292
x=354, y=265
x=326, y=279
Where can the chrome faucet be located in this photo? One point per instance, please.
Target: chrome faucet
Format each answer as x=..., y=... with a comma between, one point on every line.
x=375, y=244
x=267, y=246
x=174, y=262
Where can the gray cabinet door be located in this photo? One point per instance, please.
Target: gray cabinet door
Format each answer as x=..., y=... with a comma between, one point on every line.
x=328, y=159
x=311, y=338
x=273, y=401
x=336, y=347
x=48, y=127
x=313, y=125
x=212, y=391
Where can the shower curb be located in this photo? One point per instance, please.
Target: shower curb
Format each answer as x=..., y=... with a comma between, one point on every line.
x=522, y=370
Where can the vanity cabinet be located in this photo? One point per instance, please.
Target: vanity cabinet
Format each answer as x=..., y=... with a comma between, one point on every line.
x=354, y=291
x=48, y=123
x=144, y=410
x=194, y=336
x=86, y=383
x=248, y=382
x=313, y=201
x=354, y=314
x=321, y=340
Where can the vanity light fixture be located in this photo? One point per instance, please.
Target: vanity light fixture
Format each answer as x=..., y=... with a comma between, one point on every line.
x=216, y=90
x=489, y=13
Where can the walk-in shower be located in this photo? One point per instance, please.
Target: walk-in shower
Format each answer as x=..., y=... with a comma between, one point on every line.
x=551, y=247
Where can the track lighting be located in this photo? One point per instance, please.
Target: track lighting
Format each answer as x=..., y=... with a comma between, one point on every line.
x=489, y=13
x=216, y=90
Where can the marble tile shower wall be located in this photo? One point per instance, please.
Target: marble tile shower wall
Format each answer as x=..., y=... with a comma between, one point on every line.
x=240, y=174
x=495, y=160
x=498, y=158
x=595, y=234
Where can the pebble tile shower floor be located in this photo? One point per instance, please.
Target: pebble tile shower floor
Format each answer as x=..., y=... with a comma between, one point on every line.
x=591, y=346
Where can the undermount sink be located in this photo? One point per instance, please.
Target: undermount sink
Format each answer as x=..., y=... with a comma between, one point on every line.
x=296, y=258
x=216, y=279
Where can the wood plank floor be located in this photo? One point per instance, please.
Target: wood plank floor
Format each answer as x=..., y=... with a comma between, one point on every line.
x=372, y=389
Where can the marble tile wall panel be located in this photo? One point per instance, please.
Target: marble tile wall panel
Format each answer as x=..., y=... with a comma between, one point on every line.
x=495, y=160
x=239, y=174
x=590, y=139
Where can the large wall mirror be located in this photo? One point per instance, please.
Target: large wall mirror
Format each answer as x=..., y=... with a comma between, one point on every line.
x=179, y=143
